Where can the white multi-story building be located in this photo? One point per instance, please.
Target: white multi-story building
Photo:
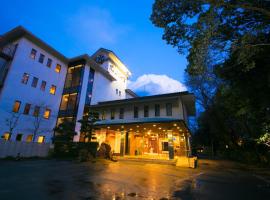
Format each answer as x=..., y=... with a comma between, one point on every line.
x=40, y=88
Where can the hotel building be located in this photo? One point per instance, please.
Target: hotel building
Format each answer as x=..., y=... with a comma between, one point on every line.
x=40, y=88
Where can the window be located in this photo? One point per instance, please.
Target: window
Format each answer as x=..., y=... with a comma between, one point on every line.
x=53, y=89
x=103, y=115
x=168, y=109
x=27, y=109
x=16, y=106
x=157, y=110
x=29, y=138
x=136, y=112
x=33, y=54
x=165, y=146
x=43, y=85
x=34, y=82
x=25, y=78
x=146, y=111
x=120, y=93
x=36, y=111
x=121, y=113
x=112, y=113
x=41, y=58
x=41, y=139
x=116, y=91
x=19, y=137
x=49, y=62
x=68, y=102
x=58, y=68
x=47, y=113
x=6, y=136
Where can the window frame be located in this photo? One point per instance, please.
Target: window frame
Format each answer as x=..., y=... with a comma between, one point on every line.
x=49, y=115
x=146, y=111
x=169, y=112
x=27, y=108
x=18, y=109
x=58, y=68
x=33, y=53
x=135, y=112
x=41, y=58
x=41, y=85
x=112, y=114
x=34, y=84
x=36, y=111
x=157, y=110
x=51, y=89
x=25, y=78
x=49, y=62
x=121, y=113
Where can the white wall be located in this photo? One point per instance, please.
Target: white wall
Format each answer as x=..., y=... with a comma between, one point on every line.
x=105, y=89
x=14, y=90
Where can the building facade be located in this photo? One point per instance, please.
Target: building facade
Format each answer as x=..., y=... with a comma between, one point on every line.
x=41, y=88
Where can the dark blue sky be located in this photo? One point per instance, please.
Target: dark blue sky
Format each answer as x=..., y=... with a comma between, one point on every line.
x=77, y=27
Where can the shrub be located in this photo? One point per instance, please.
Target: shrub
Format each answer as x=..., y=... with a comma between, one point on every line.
x=73, y=150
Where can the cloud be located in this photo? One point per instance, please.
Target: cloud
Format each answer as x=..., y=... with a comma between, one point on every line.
x=95, y=25
x=151, y=84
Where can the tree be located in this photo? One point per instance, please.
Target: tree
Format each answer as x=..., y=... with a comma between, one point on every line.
x=65, y=131
x=12, y=122
x=87, y=125
x=212, y=28
x=227, y=46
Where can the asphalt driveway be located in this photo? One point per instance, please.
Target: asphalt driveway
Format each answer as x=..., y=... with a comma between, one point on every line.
x=52, y=179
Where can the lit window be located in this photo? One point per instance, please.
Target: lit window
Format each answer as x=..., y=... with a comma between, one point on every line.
x=168, y=109
x=58, y=68
x=25, y=78
x=36, y=111
x=146, y=111
x=53, y=89
x=6, y=136
x=43, y=85
x=41, y=58
x=27, y=109
x=19, y=137
x=16, y=106
x=29, y=138
x=41, y=139
x=34, y=82
x=33, y=54
x=47, y=113
x=49, y=62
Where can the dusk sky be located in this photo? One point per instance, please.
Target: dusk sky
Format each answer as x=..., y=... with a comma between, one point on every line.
x=78, y=27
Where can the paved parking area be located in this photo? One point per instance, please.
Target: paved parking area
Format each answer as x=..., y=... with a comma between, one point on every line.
x=52, y=179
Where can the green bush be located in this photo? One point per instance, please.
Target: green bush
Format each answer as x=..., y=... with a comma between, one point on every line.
x=73, y=150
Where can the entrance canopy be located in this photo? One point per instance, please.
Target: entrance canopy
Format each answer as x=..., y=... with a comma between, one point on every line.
x=144, y=125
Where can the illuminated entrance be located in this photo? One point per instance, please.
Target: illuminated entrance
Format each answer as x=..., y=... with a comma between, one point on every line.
x=160, y=139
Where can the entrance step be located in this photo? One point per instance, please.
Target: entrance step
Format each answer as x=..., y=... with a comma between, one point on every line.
x=148, y=160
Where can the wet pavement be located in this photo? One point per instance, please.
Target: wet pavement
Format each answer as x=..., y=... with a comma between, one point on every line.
x=51, y=179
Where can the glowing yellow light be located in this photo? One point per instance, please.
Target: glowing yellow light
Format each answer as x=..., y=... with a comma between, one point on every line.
x=174, y=124
x=159, y=128
x=137, y=126
x=108, y=127
x=154, y=125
